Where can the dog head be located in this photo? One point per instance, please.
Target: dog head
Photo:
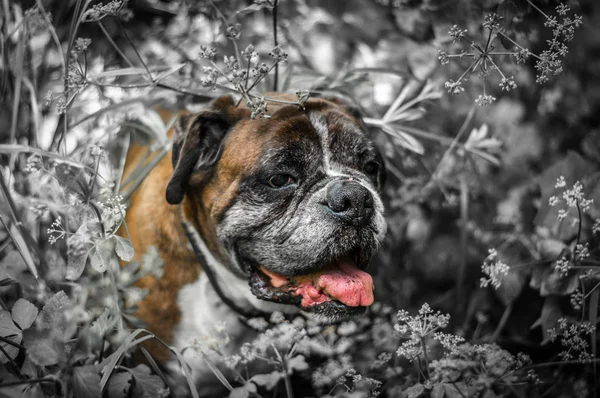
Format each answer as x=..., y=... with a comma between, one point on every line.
x=290, y=203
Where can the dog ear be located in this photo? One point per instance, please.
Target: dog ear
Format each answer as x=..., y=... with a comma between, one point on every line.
x=197, y=143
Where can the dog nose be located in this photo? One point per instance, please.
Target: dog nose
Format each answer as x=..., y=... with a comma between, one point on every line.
x=350, y=201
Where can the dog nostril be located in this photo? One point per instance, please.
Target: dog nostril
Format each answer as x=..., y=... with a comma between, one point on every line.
x=350, y=201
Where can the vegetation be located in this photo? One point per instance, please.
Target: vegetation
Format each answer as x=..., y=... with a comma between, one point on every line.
x=488, y=284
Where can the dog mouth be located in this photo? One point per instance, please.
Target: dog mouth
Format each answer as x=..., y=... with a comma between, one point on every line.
x=339, y=289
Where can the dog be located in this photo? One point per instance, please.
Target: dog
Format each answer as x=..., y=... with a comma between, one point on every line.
x=253, y=216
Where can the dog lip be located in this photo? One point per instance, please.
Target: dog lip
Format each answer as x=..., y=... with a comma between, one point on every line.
x=340, y=280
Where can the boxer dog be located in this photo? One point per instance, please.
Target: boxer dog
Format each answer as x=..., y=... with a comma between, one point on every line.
x=254, y=216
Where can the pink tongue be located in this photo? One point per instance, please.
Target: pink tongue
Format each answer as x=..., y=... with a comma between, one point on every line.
x=348, y=284
x=344, y=282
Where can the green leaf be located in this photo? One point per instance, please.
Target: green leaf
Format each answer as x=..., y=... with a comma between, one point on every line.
x=554, y=283
x=86, y=382
x=43, y=347
x=124, y=248
x=102, y=254
x=24, y=313
x=514, y=281
x=551, y=249
x=147, y=385
x=19, y=241
x=75, y=265
x=297, y=363
x=456, y=390
x=268, y=381
x=437, y=391
x=103, y=323
x=53, y=313
x=119, y=385
x=244, y=391
x=414, y=391
x=549, y=317
x=109, y=363
x=9, y=330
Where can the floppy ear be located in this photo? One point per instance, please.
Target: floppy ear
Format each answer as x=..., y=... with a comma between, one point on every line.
x=197, y=143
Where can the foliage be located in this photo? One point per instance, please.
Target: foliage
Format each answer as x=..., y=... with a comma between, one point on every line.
x=488, y=283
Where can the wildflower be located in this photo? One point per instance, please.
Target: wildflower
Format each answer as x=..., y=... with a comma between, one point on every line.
x=587, y=275
x=418, y=327
x=522, y=55
x=38, y=208
x=577, y=300
x=56, y=228
x=97, y=150
x=61, y=106
x=249, y=52
x=562, y=9
x=210, y=77
x=231, y=63
x=533, y=377
x=560, y=182
x=582, y=251
x=278, y=54
x=563, y=266
x=456, y=33
x=449, y=341
x=81, y=44
x=454, y=87
x=207, y=52
x=573, y=339
x=494, y=269
x=596, y=226
x=231, y=361
x=49, y=98
x=258, y=106
x=508, y=83
x=238, y=77
x=443, y=57
x=522, y=360
x=492, y=21
x=234, y=32
x=562, y=213
x=484, y=100
x=34, y=163
x=553, y=201
x=113, y=212
x=260, y=70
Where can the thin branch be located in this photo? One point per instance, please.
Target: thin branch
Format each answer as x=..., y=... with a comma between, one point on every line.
x=276, y=76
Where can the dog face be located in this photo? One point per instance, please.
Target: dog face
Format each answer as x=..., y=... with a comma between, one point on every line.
x=290, y=203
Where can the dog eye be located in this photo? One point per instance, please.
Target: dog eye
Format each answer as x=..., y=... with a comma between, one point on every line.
x=280, y=180
x=371, y=168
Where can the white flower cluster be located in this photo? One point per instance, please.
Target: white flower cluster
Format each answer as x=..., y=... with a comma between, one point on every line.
x=573, y=198
x=573, y=339
x=417, y=328
x=494, y=270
